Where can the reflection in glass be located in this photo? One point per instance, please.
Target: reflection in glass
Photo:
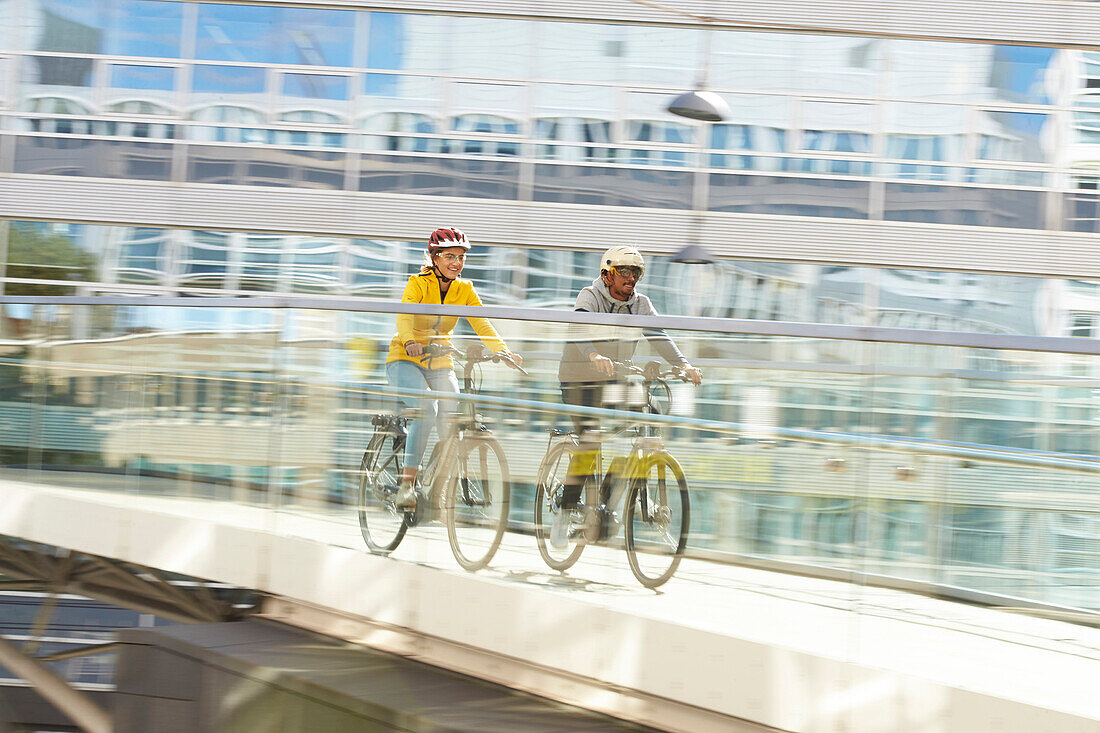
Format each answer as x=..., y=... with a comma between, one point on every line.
x=588, y=52
x=1014, y=136
x=1081, y=207
x=315, y=264
x=205, y=259
x=144, y=90
x=233, y=95
x=793, y=196
x=795, y=63
x=408, y=105
x=265, y=167
x=968, y=206
x=374, y=268
x=613, y=186
x=265, y=34
x=50, y=251
x=574, y=113
x=115, y=27
x=510, y=41
x=142, y=254
x=260, y=256
x=315, y=99
x=439, y=176
x=835, y=127
x=56, y=85
x=97, y=158
x=409, y=42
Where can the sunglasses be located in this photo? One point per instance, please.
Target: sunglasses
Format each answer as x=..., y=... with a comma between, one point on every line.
x=449, y=258
x=629, y=271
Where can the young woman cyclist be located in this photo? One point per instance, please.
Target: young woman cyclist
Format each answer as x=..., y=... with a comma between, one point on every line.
x=408, y=368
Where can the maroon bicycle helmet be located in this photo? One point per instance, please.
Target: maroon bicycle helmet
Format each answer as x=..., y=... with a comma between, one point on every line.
x=447, y=237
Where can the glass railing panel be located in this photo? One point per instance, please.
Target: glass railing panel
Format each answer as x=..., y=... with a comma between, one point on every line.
x=947, y=469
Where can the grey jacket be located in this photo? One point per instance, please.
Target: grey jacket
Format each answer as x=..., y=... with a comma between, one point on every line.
x=614, y=343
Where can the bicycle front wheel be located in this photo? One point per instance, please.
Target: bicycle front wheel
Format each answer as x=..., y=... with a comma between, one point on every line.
x=657, y=518
x=548, y=492
x=477, y=502
x=381, y=523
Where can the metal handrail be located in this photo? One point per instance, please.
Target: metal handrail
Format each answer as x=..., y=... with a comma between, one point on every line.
x=874, y=334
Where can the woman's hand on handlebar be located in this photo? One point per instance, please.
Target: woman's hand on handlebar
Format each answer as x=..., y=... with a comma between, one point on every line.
x=513, y=360
x=412, y=348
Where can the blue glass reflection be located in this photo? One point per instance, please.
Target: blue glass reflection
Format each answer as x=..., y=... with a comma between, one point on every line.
x=119, y=27
x=1020, y=73
x=315, y=86
x=159, y=78
x=386, y=47
x=264, y=34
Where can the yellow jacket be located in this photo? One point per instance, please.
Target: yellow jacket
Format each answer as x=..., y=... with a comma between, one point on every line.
x=424, y=330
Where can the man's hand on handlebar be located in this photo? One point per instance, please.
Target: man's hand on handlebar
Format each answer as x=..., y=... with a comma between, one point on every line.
x=604, y=365
x=693, y=373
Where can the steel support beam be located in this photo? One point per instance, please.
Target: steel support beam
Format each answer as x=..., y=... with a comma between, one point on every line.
x=75, y=704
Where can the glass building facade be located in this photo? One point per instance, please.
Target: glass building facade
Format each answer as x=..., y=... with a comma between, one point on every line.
x=361, y=103
x=497, y=108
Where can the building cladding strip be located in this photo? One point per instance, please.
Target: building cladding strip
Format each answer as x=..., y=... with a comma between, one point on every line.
x=1074, y=23
x=405, y=217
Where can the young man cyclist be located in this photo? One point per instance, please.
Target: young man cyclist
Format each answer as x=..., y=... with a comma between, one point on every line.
x=407, y=366
x=587, y=366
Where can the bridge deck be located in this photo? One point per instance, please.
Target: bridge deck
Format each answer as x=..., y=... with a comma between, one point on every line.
x=720, y=644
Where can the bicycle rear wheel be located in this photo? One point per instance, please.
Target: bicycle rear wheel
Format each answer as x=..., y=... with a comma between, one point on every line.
x=477, y=501
x=381, y=523
x=548, y=491
x=657, y=518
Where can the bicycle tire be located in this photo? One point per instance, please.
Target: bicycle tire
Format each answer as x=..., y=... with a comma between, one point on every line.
x=477, y=501
x=382, y=525
x=548, y=488
x=655, y=555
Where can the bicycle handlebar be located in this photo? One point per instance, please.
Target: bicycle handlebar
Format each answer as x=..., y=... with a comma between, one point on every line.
x=652, y=371
x=475, y=354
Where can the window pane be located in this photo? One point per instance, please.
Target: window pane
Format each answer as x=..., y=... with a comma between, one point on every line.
x=265, y=167
x=263, y=34
x=510, y=41
x=618, y=53
x=500, y=104
x=98, y=158
x=795, y=63
x=1015, y=136
x=439, y=176
x=401, y=104
x=966, y=71
x=56, y=85
x=409, y=42
x=51, y=251
x=835, y=126
x=613, y=186
x=314, y=98
x=114, y=27
x=792, y=196
x=147, y=90
x=959, y=205
x=228, y=94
